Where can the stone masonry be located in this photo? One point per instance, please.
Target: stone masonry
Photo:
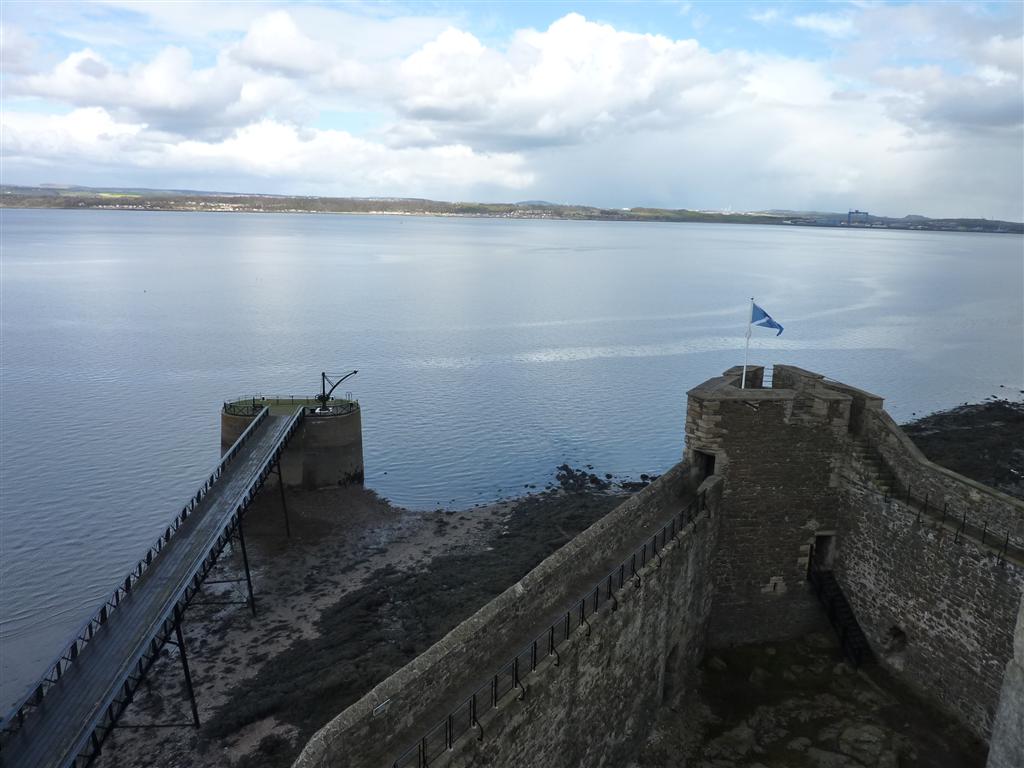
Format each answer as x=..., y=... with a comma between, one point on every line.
x=778, y=451
x=806, y=471
x=1007, y=750
x=938, y=611
x=617, y=676
x=934, y=584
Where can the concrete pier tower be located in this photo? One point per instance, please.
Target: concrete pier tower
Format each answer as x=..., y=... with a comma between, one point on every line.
x=326, y=451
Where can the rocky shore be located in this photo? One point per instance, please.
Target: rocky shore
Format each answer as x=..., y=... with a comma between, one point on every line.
x=359, y=590
x=362, y=587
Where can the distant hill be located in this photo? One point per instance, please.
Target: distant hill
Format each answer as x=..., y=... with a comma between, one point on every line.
x=133, y=198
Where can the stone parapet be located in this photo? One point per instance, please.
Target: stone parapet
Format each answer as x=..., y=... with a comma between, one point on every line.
x=982, y=507
x=375, y=730
x=938, y=610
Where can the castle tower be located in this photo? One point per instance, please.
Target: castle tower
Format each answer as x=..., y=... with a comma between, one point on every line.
x=778, y=449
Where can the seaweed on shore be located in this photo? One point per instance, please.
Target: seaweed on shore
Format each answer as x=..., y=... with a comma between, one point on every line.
x=375, y=630
x=984, y=442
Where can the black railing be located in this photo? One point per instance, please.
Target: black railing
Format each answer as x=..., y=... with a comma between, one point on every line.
x=998, y=538
x=249, y=405
x=840, y=615
x=508, y=680
x=35, y=695
x=333, y=408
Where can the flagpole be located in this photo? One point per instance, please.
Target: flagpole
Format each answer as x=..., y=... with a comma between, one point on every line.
x=746, y=350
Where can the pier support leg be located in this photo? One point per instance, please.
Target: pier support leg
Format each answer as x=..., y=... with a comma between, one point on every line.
x=184, y=666
x=284, y=504
x=245, y=562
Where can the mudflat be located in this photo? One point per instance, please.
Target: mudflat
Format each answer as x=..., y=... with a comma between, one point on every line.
x=359, y=589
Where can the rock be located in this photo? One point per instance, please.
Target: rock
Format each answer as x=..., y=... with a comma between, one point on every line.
x=803, y=714
x=766, y=722
x=818, y=640
x=770, y=651
x=827, y=702
x=863, y=742
x=888, y=759
x=717, y=664
x=822, y=758
x=903, y=746
x=799, y=744
x=830, y=733
x=735, y=743
x=758, y=676
x=842, y=668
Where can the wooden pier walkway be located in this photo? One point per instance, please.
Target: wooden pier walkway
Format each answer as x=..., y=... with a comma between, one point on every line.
x=65, y=718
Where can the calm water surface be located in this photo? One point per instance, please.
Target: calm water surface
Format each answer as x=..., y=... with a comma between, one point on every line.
x=489, y=351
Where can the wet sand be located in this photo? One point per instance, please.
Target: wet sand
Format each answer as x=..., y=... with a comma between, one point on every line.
x=359, y=590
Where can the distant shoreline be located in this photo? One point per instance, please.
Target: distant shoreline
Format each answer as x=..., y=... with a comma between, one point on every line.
x=78, y=198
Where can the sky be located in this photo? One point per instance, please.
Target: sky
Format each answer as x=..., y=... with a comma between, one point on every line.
x=892, y=108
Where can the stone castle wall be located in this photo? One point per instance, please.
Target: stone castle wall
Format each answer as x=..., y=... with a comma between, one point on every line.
x=778, y=453
x=934, y=584
x=797, y=470
x=985, y=507
x=598, y=704
x=1007, y=748
x=668, y=611
x=938, y=609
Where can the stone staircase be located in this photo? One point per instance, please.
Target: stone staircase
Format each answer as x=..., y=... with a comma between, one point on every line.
x=872, y=468
x=840, y=615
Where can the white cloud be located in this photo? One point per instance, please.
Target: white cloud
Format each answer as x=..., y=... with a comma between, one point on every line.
x=274, y=42
x=581, y=111
x=568, y=84
x=54, y=139
x=302, y=159
x=16, y=49
x=831, y=25
x=166, y=92
x=767, y=16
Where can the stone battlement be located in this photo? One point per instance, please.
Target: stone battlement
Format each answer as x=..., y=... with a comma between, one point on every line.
x=805, y=474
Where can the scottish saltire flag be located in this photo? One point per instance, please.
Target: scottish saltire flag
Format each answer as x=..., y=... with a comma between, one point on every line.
x=761, y=318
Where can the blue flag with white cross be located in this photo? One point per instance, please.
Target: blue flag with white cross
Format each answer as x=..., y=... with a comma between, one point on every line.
x=762, y=319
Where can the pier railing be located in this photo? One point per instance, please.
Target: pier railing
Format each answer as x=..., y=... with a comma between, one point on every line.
x=87, y=631
x=507, y=680
x=247, y=405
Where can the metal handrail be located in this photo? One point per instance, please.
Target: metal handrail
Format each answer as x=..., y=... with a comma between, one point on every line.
x=994, y=537
x=464, y=717
x=180, y=594
x=297, y=399
x=242, y=406
x=87, y=630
